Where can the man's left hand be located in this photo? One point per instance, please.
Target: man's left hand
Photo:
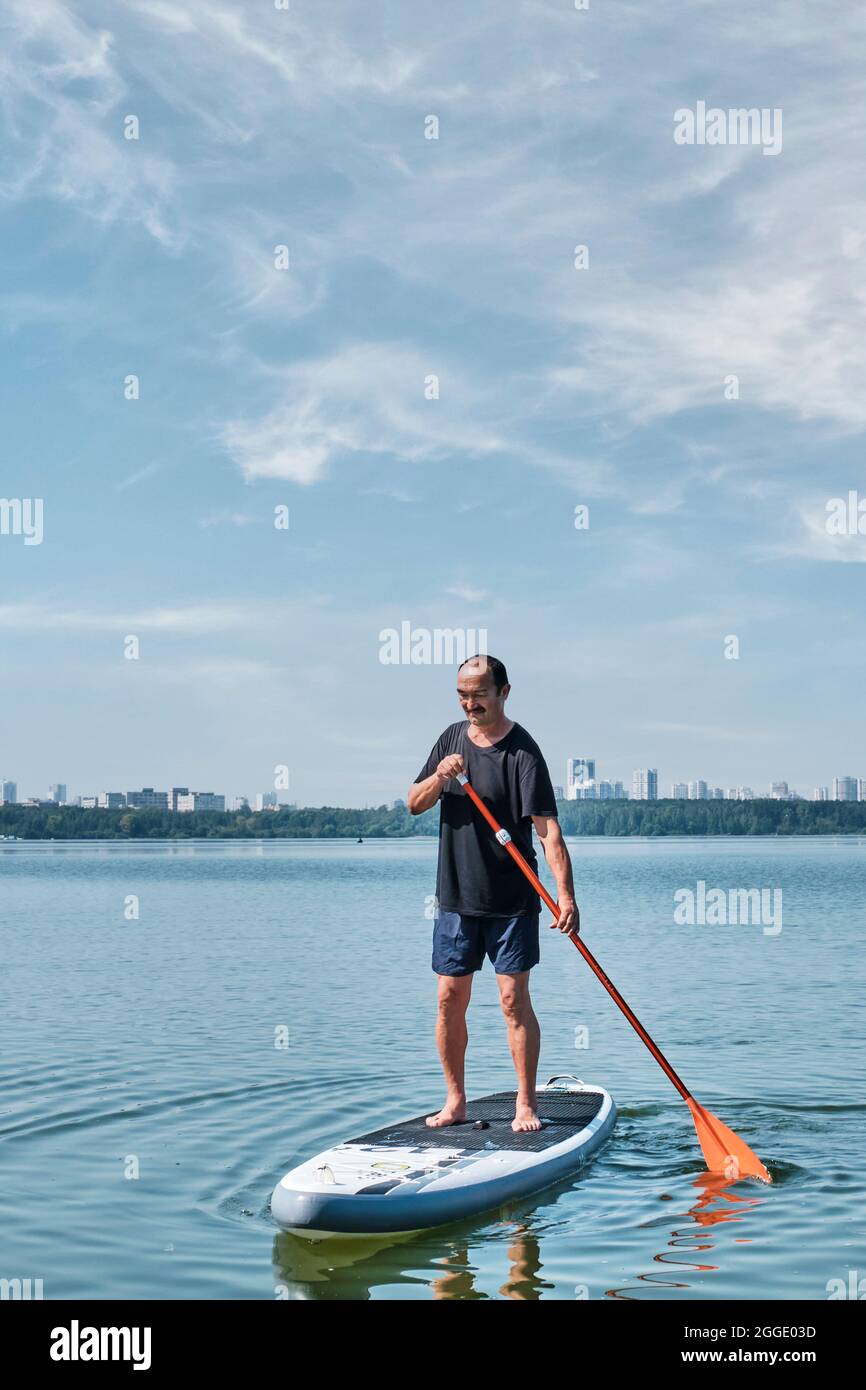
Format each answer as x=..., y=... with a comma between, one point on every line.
x=569, y=916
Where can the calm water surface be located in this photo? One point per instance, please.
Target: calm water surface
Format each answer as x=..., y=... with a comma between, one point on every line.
x=153, y=1046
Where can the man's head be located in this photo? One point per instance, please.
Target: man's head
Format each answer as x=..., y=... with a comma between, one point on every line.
x=482, y=689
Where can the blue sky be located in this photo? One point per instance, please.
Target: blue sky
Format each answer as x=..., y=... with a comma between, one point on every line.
x=410, y=257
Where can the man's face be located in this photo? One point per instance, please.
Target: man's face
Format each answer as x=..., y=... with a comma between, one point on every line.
x=477, y=693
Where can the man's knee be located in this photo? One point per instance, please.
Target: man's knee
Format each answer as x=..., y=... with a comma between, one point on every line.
x=454, y=992
x=514, y=997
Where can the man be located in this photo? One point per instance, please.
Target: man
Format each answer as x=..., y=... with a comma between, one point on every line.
x=485, y=905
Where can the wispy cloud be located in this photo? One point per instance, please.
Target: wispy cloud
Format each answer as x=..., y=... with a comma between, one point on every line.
x=228, y=519
x=807, y=537
x=33, y=308
x=183, y=620
x=64, y=134
x=148, y=471
x=395, y=494
x=467, y=592
x=370, y=400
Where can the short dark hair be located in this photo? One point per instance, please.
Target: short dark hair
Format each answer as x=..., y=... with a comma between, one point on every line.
x=495, y=667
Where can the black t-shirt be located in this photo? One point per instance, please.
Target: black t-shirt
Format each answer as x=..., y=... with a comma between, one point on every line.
x=477, y=877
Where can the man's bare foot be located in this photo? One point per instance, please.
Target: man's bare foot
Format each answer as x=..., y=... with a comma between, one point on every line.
x=452, y=1112
x=525, y=1118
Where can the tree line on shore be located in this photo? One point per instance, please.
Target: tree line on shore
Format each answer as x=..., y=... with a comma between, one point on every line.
x=614, y=818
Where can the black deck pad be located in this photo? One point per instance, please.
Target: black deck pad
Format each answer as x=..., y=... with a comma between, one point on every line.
x=562, y=1115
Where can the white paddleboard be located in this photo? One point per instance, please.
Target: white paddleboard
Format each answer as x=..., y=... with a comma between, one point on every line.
x=408, y=1177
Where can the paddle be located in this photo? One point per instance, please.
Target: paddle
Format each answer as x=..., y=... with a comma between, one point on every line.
x=724, y=1151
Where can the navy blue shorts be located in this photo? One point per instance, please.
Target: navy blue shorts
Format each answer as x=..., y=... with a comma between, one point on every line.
x=461, y=943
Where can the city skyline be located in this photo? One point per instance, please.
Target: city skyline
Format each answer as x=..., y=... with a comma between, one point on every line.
x=581, y=783
x=181, y=799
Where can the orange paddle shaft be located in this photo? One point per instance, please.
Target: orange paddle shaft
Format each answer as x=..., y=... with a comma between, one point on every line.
x=505, y=839
x=724, y=1151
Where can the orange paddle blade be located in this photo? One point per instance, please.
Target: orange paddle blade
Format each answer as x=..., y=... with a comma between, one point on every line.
x=724, y=1151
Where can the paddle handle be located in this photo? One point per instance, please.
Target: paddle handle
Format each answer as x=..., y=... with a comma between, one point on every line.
x=505, y=840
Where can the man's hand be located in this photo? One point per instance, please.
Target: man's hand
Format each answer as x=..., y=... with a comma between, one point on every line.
x=423, y=795
x=449, y=767
x=549, y=833
x=569, y=916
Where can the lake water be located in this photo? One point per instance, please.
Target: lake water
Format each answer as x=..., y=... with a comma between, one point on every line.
x=147, y=1047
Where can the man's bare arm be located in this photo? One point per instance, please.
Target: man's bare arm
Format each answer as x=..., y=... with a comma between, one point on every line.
x=422, y=795
x=549, y=833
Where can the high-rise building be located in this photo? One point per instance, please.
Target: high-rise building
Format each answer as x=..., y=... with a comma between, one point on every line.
x=779, y=791
x=745, y=794
x=266, y=801
x=579, y=772
x=821, y=794
x=716, y=794
x=174, y=796
x=619, y=792
x=8, y=793
x=731, y=794
x=57, y=792
x=645, y=784
x=147, y=797
x=845, y=788
x=111, y=801
x=200, y=801
x=697, y=791
x=680, y=791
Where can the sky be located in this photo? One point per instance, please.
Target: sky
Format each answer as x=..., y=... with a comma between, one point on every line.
x=430, y=384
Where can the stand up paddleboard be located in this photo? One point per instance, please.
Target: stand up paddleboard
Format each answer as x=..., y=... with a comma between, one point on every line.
x=409, y=1177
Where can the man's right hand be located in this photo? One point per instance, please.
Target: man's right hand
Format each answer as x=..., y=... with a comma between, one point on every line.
x=449, y=767
x=423, y=795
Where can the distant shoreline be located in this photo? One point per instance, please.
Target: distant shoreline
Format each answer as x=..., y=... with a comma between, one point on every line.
x=349, y=840
x=608, y=819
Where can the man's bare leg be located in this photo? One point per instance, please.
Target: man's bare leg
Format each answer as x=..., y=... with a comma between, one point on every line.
x=524, y=1039
x=451, y=1038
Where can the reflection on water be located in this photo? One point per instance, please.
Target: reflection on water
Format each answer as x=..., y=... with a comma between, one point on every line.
x=443, y=1260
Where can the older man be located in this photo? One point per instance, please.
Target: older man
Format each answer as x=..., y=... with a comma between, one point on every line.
x=485, y=906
